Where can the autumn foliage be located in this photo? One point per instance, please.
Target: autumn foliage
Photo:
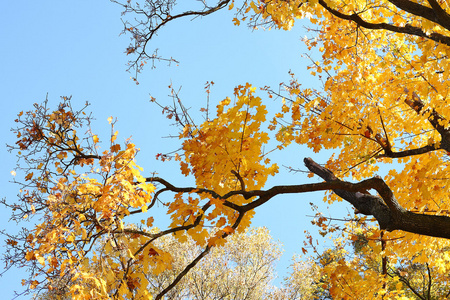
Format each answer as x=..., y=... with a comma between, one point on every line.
x=384, y=65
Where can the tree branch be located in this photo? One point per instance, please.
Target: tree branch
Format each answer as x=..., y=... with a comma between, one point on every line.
x=383, y=207
x=407, y=29
x=195, y=261
x=417, y=105
x=411, y=152
x=153, y=15
x=435, y=119
x=432, y=14
x=442, y=17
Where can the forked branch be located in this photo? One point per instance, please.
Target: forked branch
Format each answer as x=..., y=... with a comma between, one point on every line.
x=383, y=206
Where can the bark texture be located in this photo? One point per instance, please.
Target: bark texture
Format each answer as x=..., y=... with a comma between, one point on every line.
x=384, y=207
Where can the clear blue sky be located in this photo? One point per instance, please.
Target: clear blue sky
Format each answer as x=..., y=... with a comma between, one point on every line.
x=73, y=48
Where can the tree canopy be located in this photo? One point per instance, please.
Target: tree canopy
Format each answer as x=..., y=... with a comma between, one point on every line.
x=242, y=269
x=384, y=67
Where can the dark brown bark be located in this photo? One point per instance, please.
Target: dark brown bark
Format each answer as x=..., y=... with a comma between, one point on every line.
x=413, y=8
x=411, y=152
x=434, y=118
x=434, y=14
x=384, y=207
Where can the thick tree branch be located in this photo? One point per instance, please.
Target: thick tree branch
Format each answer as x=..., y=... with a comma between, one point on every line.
x=443, y=18
x=433, y=14
x=365, y=203
x=265, y=195
x=407, y=29
x=385, y=208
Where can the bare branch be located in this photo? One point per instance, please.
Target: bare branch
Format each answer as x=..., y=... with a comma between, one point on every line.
x=150, y=18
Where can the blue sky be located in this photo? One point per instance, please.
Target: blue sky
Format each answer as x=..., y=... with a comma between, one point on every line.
x=64, y=48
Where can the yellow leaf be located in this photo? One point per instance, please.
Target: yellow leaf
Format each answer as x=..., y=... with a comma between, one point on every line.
x=228, y=229
x=130, y=254
x=41, y=260
x=114, y=137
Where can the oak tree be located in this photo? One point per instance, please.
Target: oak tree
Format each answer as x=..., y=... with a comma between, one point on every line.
x=384, y=67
